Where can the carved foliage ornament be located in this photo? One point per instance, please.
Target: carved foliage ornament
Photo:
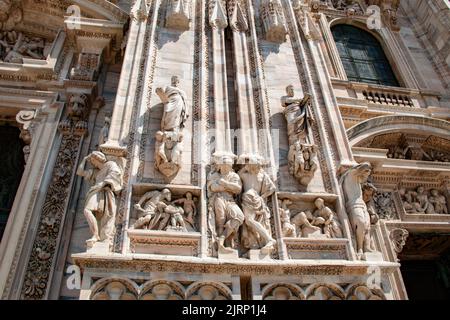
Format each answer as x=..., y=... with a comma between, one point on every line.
x=398, y=237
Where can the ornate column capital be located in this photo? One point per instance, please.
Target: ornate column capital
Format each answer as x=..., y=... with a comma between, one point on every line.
x=140, y=10
x=237, y=16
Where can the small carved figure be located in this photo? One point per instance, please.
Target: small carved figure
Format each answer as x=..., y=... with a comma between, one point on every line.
x=189, y=207
x=331, y=225
x=368, y=194
x=303, y=162
x=439, y=202
x=287, y=228
x=303, y=223
x=176, y=218
x=422, y=198
x=100, y=207
x=103, y=137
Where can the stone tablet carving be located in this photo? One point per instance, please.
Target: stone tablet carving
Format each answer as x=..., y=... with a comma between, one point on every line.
x=257, y=188
x=168, y=147
x=100, y=207
x=351, y=183
x=224, y=215
x=419, y=202
x=157, y=211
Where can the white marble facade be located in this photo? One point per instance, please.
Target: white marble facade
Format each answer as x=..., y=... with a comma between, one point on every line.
x=220, y=131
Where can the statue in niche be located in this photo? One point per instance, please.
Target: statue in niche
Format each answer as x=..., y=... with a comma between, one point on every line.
x=168, y=147
x=287, y=228
x=351, y=184
x=439, y=202
x=329, y=221
x=302, y=157
x=104, y=132
x=297, y=113
x=257, y=188
x=303, y=162
x=100, y=207
x=224, y=215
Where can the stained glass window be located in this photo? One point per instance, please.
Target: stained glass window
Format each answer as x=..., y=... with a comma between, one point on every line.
x=362, y=56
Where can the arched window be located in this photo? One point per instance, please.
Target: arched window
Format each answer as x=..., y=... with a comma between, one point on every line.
x=362, y=56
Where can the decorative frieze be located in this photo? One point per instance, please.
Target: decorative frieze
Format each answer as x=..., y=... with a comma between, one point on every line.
x=16, y=46
x=421, y=201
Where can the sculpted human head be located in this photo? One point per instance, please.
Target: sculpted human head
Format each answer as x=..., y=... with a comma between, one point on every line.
x=166, y=194
x=364, y=171
x=188, y=195
x=420, y=190
x=320, y=203
x=175, y=81
x=98, y=159
x=290, y=90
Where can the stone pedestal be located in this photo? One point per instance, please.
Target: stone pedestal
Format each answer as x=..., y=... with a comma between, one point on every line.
x=227, y=255
x=99, y=248
x=259, y=255
x=321, y=248
x=372, y=256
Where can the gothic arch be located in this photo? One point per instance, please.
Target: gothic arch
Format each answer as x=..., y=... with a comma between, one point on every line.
x=125, y=289
x=269, y=292
x=161, y=290
x=221, y=291
x=388, y=124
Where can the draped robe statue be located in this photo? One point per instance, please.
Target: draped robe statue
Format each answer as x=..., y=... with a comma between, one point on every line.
x=168, y=148
x=100, y=207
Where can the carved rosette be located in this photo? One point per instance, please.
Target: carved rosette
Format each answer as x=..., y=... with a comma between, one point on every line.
x=398, y=238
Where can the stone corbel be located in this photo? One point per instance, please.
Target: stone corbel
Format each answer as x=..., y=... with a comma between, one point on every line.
x=274, y=23
x=217, y=15
x=178, y=14
x=25, y=119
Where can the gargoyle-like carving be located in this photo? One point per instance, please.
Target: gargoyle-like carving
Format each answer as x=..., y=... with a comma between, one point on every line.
x=168, y=148
x=398, y=238
x=100, y=208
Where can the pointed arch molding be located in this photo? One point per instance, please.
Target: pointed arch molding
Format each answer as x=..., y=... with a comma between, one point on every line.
x=386, y=124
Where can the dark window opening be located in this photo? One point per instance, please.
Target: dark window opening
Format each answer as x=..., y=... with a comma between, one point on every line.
x=11, y=169
x=362, y=56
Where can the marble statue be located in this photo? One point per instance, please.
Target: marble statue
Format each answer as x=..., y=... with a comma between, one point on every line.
x=297, y=113
x=368, y=197
x=287, y=228
x=303, y=162
x=103, y=136
x=358, y=213
x=257, y=188
x=331, y=226
x=302, y=157
x=100, y=206
x=225, y=216
x=439, y=202
x=189, y=207
x=168, y=147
